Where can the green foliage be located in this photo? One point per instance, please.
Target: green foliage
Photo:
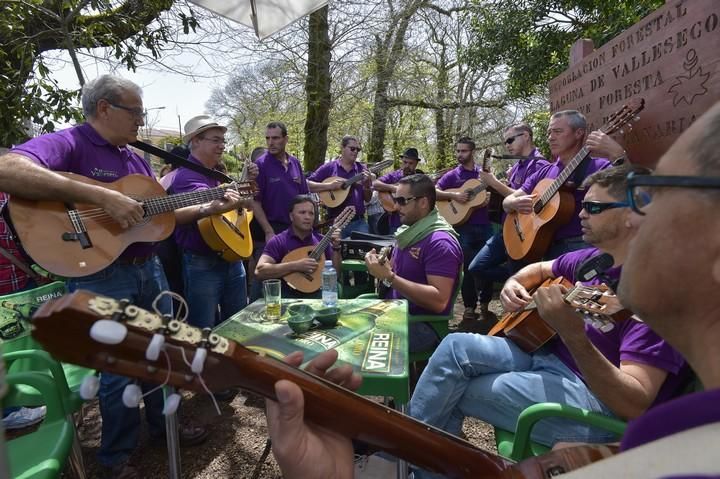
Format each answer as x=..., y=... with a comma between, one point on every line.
x=539, y=121
x=533, y=37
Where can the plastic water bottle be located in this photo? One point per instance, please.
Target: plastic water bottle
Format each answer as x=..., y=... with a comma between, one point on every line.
x=329, y=285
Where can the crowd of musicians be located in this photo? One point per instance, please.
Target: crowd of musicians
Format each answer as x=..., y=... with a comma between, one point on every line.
x=657, y=232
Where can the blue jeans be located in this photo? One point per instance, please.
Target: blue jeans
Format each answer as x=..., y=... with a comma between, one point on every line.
x=358, y=224
x=494, y=380
x=472, y=239
x=121, y=425
x=565, y=245
x=490, y=264
x=212, y=282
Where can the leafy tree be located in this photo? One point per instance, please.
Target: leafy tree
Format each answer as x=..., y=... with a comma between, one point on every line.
x=533, y=37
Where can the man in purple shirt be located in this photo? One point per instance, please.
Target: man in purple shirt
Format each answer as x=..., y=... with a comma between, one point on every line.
x=490, y=264
x=300, y=233
x=426, y=261
x=388, y=183
x=209, y=281
x=619, y=373
x=566, y=135
x=477, y=229
x=98, y=150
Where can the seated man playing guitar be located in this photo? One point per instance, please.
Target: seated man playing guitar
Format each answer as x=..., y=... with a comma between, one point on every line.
x=618, y=373
x=426, y=261
x=300, y=233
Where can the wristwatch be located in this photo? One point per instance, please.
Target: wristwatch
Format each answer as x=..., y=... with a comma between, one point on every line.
x=388, y=281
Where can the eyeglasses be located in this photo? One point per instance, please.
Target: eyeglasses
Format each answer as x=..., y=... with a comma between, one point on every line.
x=354, y=149
x=214, y=141
x=510, y=140
x=640, y=187
x=402, y=201
x=597, y=207
x=136, y=112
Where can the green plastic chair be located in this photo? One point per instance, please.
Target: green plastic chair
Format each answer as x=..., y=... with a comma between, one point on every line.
x=347, y=291
x=518, y=446
x=41, y=454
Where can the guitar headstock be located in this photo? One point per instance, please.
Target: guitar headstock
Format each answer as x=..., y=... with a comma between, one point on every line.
x=114, y=336
x=344, y=218
x=244, y=188
x=626, y=114
x=598, y=305
x=487, y=155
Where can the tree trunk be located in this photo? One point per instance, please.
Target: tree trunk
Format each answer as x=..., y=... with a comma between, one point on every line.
x=317, y=89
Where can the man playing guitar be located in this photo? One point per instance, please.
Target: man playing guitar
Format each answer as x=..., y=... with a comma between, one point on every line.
x=299, y=233
x=388, y=183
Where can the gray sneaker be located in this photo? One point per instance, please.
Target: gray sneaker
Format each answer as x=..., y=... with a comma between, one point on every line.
x=24, y=417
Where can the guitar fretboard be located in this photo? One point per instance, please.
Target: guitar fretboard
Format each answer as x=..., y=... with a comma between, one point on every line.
x=164, y=204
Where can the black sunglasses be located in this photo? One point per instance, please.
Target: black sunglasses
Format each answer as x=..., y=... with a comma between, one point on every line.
x=640, y=187
x=597, y=207
x=510, y=140
x=402, y=201
x=355, y=148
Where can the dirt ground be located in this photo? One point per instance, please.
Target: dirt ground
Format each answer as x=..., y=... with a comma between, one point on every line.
x=236, y=442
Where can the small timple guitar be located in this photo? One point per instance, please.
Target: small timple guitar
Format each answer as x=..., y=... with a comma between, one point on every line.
x=311, y=282
x=82, y=239
x=334, y=198
x=457, y=213
x=386, y=198
x=117, y=337
x=596, y=304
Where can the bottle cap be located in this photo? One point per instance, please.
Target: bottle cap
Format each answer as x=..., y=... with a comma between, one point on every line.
x=328, y=263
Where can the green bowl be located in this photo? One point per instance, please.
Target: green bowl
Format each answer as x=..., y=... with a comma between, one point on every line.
x=328, y=317
x=300, y=323
x=300, y=310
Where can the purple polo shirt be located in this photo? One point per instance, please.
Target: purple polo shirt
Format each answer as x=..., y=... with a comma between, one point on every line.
x=83, y=151
x=523, y=169
x=455, y=178
x=630, y=340
x=552, y=171
x=188, y=236
x=281, y=244
x=438, y=254
x=390, y=179
x=686, y=412
x=355, y=197
x=278, y=186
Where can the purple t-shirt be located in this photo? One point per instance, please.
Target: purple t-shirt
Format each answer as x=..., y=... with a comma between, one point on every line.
x=552, y=171
x=438, y=254
x=355, y=197
x=523, y=169
x=630, y=340
x=83, y=151
x=188, y=236
x=277, y=186
x=686, y=412
x=281, y=244
x=455, y=178
x=390, y=179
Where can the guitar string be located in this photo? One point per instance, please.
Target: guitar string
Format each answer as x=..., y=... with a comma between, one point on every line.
x=201, y=381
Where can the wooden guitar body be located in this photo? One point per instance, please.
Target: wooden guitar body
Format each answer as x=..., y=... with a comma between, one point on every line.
x=528, y=237
x=228, y=234
x=458, y=213
x=386, y=200
x=334, y=198
x=47, y=233
x=306, y=283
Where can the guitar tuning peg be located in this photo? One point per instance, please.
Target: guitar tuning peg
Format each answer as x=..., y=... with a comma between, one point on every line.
x=622, y=131
x=89, y=387
x=107, y=331
x=152, y=353
x=131, y=396
x=637, y=118
x=607, y=327
x=172, y=402
x=198, y=362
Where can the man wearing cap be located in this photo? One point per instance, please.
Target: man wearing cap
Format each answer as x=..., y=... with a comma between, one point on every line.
x=388, y=183
x=98, y=149
x=209, y=281
x=477, y=229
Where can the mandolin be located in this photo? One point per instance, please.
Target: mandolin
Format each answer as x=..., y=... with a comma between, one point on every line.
x=528, y=237
x=229, y=233
x=81, y=239
x=334, y=198
x=115, y=336
x=386, y=198
x=597, y=305
x=457, y=213
x=311, y=282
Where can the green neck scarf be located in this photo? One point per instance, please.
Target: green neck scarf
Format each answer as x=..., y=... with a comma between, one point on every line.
x=409, y=235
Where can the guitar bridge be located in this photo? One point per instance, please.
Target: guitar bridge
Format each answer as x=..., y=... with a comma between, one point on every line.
x=80, y=233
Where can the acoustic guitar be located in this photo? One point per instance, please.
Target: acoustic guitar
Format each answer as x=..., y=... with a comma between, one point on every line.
x=598, y=306
x=528, y=236
x=229, y=233
x=386, y=198
x=115, y=336
x=81, y=239
x=457, y=213
x=311, y=282
x=334, y=198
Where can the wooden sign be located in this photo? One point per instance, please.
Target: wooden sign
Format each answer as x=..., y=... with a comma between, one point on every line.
x=671, y=58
